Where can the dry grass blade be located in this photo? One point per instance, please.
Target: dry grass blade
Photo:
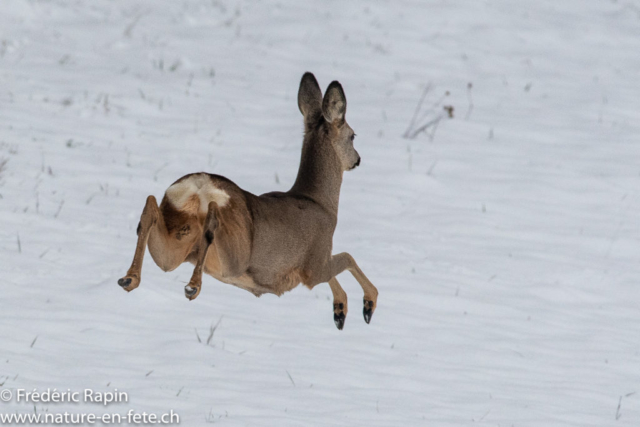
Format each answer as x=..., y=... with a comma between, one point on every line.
x=431, y=115
x=212, y=330
x=292, y=382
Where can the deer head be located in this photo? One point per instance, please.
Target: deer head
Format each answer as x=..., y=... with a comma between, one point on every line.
x=325, y=117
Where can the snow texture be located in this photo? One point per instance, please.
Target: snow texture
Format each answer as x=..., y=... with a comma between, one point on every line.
x=504, y=241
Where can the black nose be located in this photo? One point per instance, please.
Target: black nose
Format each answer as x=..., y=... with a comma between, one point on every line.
x=358, y=162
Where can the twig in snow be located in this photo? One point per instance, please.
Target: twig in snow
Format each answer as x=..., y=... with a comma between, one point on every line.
x=59, y=209
x=292, y=382
x=197, y=336
x=91, y=198
x=433, y=132
x=33, y=342
x=19, y=245
x=418, y=108
x=211, y=417
x=469, y=86
x=131, y=26
x=434, y=122
x=618, y=413
x=212, y=329
x=414, y=129
x=149, y=373
x=3, y=164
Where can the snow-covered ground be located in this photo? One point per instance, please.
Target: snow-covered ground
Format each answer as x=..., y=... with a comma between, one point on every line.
x=505, y=242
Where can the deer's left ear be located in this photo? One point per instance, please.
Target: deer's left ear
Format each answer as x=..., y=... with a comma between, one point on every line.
x=309, y=96
x=334, y=104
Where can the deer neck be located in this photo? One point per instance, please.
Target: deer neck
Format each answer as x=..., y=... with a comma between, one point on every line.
x=320, y=175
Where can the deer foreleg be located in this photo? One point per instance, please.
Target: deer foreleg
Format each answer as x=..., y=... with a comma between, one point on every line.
x=339, y=303
x=344, y=261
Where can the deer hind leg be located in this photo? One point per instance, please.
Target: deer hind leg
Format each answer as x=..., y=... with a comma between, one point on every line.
x=339, y=303
x=167, y=252
x=344, y=261
x=192, y=290
x=148, y=220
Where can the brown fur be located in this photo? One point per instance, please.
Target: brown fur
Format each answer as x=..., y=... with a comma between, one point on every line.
x=269, y=243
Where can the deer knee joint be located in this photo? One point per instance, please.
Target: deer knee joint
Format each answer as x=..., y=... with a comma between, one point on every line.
x=150, y=213
x=208, y=235
x=211, y=223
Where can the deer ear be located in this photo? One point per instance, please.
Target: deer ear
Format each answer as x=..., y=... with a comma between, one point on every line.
x=309, y=95
x=334, y=104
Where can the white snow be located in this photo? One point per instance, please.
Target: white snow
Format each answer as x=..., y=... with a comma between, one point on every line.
x=505, y=246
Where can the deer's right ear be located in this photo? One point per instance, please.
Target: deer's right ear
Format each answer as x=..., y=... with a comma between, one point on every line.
x=309, y=96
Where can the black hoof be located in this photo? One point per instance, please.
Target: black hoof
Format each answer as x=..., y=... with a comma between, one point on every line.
x=189, y=291
x=124, y=282
x=367, y=312
x=339, y=319
x=338, y=316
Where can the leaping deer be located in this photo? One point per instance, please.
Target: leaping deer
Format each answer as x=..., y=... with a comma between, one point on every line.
x=269, y=243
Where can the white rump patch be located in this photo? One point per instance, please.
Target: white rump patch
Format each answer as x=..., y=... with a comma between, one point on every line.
x=201, y=185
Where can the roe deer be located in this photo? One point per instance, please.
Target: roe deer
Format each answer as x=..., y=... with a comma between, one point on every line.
x=269, y=243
